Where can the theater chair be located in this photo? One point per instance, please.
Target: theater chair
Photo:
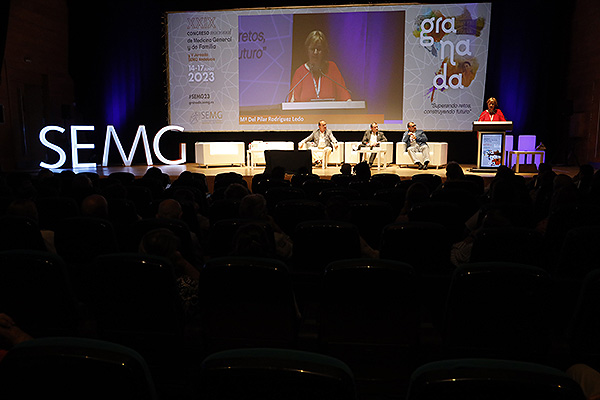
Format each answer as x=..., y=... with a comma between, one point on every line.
x=270, y=373
x=468, y=379
x=438, y=154
x=370, y=318
x=247, y=302
x=36, y=290
x=75, y=368
x=511, y=318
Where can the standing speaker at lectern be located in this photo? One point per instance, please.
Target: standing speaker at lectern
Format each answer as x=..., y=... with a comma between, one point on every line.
x=492, y=113
x=318, y=78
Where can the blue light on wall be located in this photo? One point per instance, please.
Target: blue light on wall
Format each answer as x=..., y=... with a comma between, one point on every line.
x=124, y=85
x=514, y=88
x=132, y=63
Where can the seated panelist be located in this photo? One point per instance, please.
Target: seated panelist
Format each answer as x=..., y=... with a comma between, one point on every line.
x=321, y=138
x=416, y=145
x=372, y=138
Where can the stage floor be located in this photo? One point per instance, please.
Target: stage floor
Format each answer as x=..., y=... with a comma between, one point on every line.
x=210, y=172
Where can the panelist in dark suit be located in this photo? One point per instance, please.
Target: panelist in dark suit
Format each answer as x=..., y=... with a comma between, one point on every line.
x=372, y=138
x=416, y=145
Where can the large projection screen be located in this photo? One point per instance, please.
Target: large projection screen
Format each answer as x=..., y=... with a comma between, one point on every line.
x=284, y=69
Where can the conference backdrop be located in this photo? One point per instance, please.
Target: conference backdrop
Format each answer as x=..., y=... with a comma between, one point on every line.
x=255, y=69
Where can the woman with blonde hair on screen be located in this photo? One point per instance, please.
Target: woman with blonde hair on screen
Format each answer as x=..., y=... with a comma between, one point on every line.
x=318, y=78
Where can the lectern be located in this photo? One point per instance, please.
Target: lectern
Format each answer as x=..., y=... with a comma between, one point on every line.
x=490, y=144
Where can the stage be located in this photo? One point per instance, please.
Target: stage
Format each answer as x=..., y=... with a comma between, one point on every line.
x=247, y=172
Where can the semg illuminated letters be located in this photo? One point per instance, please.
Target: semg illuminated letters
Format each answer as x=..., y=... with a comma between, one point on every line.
x=110, y=132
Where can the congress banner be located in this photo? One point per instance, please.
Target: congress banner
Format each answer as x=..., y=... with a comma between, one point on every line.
x=284, y=69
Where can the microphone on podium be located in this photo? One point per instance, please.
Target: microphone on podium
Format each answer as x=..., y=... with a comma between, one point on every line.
x=296, y=85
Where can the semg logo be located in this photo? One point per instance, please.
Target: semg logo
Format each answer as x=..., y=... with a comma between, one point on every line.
x=206, y=116
x=211, y=115
x=110, y=133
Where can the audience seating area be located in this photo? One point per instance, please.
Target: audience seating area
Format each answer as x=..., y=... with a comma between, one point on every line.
x=354, y=287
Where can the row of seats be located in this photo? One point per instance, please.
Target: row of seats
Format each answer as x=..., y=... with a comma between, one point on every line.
x=73, y=368
x=370, y=314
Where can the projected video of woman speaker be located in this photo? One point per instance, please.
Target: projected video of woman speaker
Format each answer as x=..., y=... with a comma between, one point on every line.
x=350, y=64
x=318, y=78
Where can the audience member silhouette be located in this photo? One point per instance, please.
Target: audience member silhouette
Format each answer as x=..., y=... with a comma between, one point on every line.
x=254, y=206
x=251, y=240
x=171, y=209
x=155, y=180
x=195, y=180
x=235, y=191
x=47, y=184
x=346, y=169
x=164, y=243
x=27, y=208
x=417, y=193
x=301, y=176
x=454, y=172
x=10, y=334
x=595, y=187
x=194, y=211
x=583, y=179
x=338, y=209
x=588, y=378
x=277, y=173
x=80, y=187
x=564, y=193
x=95, y=205
x=460, y=253
x=506, y=195
x=5, y=189
x=541, y=187
x=362, y=171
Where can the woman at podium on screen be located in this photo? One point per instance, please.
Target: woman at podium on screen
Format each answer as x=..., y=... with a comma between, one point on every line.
x=492, y=113
x=318, y=78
